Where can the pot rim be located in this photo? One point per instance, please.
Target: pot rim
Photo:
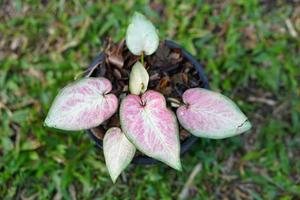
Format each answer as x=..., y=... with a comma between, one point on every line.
x=186, y=144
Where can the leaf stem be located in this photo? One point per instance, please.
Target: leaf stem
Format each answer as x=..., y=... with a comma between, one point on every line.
x=142, y=58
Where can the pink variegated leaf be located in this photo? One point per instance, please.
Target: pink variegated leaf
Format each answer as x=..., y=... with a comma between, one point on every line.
x=151, y=127
x=118, y=152
x=211, y=115
x=82, y=105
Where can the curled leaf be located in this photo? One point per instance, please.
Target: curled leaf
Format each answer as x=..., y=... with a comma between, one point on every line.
x=138, y=80
x=151, y=127
x=141, y=36
x=118, y=152
x=211, y=115
x=82, y=105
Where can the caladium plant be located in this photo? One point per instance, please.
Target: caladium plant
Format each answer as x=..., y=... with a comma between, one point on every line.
x=146, y=122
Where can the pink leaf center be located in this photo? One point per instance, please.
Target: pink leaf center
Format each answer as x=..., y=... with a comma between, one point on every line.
x=210, y=114
x=82, y=105
x=151, y=127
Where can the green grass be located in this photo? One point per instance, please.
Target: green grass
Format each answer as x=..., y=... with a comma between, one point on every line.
x=250, y=53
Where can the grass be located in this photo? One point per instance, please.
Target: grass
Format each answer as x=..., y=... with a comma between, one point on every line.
x=250, y=50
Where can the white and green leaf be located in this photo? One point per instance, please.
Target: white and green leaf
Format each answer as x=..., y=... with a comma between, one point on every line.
x=138, y=79
x=118, y=152
x=141, y=36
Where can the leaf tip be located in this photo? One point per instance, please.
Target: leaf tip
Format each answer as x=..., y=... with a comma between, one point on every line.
x=137, y=14
x=114, y=177
x=178, y=166
x=245, y=126
x=48, y=122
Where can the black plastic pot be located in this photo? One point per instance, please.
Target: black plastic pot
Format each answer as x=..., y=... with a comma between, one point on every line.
x=188, y=142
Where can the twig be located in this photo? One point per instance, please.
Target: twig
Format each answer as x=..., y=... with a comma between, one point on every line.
x=269, y=102
x=291, y=28
x=185, y=191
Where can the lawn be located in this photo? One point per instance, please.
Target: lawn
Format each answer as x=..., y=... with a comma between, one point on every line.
x=250, y=51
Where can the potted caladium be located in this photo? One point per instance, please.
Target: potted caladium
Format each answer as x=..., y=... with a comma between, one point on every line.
x=145, y=98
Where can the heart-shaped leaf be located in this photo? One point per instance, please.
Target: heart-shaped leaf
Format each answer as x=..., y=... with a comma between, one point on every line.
x=141, y=36
x=118, y=151
x=151, y=127
x=82, y=105
x=211, y=115
x=138, y=80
